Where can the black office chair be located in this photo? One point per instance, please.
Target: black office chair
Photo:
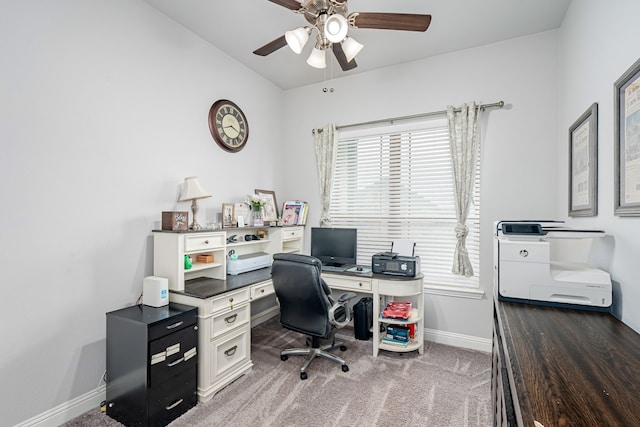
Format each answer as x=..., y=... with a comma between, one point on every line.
x=306, y=306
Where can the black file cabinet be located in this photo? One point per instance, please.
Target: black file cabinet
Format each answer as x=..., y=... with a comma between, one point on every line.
x=151, y=363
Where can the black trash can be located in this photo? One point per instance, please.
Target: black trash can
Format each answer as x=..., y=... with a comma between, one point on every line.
x=363, y=318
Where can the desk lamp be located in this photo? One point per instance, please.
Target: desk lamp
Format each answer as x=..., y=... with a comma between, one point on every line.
x=192, y=190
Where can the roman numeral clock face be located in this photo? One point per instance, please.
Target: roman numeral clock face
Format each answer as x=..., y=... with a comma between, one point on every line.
x=228, y=125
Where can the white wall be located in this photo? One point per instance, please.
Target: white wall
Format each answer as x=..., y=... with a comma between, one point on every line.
x=103, y=113
x=598, y=42
x=519, y=142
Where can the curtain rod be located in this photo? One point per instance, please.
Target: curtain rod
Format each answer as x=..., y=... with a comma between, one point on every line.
x=498, y=104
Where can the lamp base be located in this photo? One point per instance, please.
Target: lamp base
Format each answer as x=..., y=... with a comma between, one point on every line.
x=194, y=208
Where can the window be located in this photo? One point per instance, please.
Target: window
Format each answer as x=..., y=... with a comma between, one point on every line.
x=395, y=183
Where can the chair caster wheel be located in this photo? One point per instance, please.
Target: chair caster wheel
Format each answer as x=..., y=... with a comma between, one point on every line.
x=345, y=368
x=343, y=348
x=283, y=357
x=303, y=375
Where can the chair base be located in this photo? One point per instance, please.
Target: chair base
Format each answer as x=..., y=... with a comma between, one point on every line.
x=315, y=350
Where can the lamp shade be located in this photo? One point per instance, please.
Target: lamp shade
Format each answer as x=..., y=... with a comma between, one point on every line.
x=296, y=39
x=351, y=48
x=317, y=58
x=335, y=28
x=191, y=189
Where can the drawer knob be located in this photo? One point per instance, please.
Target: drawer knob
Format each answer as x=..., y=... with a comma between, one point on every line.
x=231, y=318
x=231, y=351
x=360, y=284
x=206, y=242
x=262, y=291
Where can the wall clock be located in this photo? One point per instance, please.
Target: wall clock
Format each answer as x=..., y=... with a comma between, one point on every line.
x=228, y=125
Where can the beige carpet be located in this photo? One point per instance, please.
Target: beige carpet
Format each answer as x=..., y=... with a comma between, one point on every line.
x=446, y=386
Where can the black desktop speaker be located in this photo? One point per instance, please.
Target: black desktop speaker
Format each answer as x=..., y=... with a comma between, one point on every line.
x=363, y=318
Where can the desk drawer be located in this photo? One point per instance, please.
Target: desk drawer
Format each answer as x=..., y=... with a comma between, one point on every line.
x=355, y=284
x=229, y=320
x=229, y=300
x=292, y=233
x=171, y=399
x=173, y=354
x=229, y=351
x=200, y=242
x=262, y=290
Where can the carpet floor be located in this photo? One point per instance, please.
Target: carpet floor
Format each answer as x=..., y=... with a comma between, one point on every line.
x=446, y=386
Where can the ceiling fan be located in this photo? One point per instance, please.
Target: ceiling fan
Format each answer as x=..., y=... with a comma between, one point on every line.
x=331, y=20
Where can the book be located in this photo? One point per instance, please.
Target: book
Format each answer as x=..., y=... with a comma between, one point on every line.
x=391, y=341
x=294, y=212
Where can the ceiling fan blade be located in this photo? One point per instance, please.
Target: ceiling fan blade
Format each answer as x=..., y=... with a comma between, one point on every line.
x=271, y=47
x=289, y=4
x=342, y=58
x=390, y=21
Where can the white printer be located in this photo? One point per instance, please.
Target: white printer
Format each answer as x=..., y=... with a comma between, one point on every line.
x=524, y=271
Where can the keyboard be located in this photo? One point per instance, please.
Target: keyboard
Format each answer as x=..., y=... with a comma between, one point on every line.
x=332, y=268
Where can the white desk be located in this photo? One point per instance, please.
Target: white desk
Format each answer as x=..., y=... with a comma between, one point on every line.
x=224, y=317
x=383, y=289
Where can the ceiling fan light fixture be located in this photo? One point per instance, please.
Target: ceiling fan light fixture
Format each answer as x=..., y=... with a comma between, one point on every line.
x=335, y=28
x=297, y=39
x=351, y=48
x=317, y=59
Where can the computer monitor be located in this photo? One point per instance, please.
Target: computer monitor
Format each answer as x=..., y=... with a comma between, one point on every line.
x=335, y=247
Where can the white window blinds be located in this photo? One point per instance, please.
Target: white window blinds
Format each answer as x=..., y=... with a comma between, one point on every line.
x=395, y=183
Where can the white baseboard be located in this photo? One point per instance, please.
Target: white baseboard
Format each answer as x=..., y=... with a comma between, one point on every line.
x=458, y=340
x=68, y=410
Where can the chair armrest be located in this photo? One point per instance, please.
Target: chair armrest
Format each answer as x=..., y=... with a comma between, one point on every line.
x=343, y=303
x=347, y=296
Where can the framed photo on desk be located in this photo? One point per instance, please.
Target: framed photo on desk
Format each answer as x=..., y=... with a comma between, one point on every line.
x=270, y=208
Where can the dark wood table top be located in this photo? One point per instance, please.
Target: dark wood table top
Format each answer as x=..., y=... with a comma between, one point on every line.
x=571, y=367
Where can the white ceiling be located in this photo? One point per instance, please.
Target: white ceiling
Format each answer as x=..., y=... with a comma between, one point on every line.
x=238, y=27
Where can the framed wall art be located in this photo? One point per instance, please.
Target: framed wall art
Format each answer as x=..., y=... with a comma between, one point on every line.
x=626, y=142
x=583, y=164
x=270, y=209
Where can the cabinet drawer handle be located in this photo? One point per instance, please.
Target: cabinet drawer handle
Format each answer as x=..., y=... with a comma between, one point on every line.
x=175, y=325
x=170, y=407
x=175, y=362
x=206, y=242
x=231, y=351
x=231, y=318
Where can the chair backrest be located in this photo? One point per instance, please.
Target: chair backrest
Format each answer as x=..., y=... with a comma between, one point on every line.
x=302, y=294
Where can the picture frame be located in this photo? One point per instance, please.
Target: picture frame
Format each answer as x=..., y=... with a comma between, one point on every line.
x=626, y=142
x=242, y=212
x=583, y=164
x=270, y=208
x=228, y=215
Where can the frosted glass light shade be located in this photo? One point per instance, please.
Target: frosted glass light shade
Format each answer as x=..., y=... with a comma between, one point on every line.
x=191, y=189
x=351, y=48
x=317, y=58
x=296, y=39
x=335, y=28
